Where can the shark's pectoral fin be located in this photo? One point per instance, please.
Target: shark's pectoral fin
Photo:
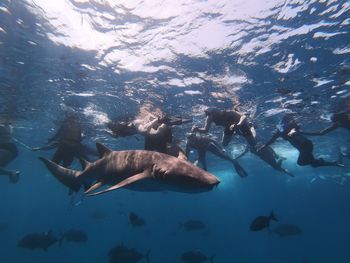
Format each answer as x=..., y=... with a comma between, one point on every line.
x=94, y=187
x=130, y=180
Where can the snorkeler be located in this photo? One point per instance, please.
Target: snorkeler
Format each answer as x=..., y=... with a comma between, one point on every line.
x=339, y=120
x=157, y=133
x=233, y=121
x=8, y=152
x=289, y=131
x=126, y=128
x=204, y=143
x=68, y=140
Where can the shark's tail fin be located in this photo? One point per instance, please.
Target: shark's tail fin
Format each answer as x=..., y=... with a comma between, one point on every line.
x=68, y=177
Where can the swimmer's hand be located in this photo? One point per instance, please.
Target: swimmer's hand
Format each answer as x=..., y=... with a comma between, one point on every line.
x=232, y=127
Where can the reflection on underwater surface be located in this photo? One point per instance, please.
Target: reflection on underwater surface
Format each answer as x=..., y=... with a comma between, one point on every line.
x=116, y=60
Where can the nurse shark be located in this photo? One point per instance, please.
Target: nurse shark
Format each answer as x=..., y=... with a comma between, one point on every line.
x=134, y=169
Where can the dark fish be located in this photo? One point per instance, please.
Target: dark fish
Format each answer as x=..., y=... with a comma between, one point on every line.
x=3, y=226
x=73, y=235
x=122, y=254
x=135, y=220
x=285, y=230
x=193, y=225
x=195, y=256
x=262, y=222
x=37, y=241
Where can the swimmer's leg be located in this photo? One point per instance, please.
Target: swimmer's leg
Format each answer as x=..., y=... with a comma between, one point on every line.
x=219, y=152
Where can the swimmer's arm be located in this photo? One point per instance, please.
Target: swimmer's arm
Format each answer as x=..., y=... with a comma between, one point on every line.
x=146, y=127
x=206, y=127
x=241, y=120
x=322, y=132
x=178, y=121
x=46, y=147
x=162, y=128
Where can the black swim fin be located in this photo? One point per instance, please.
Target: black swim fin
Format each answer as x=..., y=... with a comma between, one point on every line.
x=239, y=169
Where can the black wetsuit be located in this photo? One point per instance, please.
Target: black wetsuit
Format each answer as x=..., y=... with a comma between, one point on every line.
x=203, y=144
x=159, y=142
x=226, y=119
x=304, y=146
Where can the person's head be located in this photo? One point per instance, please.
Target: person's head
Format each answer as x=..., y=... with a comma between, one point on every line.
x=210, y=111
x=122, y=128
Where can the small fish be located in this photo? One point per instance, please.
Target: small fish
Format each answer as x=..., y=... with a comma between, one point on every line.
x=135, y=220
x=73, y=235
x=262, y=222
x=191, y=225
x=195, y=256
x=285, y=230
x=122, y=254
x=38, y=241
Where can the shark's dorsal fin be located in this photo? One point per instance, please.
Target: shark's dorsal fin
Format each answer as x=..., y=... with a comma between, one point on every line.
x=130, y=180
x=84, y=163
x=102, y=149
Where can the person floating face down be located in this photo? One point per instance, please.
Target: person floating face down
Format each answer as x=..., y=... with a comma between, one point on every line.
x=68, y=141
x=233, y=121
x=289, y=130
x=203, y=144
x=157, y=133
x=8, y=152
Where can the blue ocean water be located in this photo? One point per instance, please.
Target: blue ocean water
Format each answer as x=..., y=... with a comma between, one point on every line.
x=105, y=59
